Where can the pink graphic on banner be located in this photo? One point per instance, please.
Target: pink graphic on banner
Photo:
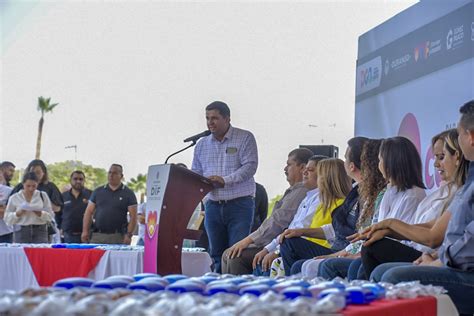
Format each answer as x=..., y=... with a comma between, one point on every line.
x=151, y=243
x=409, y=129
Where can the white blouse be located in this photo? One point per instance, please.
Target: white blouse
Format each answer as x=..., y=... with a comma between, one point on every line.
x=430, y=208
x=401, y=205
x=18, y=202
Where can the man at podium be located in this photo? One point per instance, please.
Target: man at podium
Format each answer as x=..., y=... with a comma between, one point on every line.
x=229, y=158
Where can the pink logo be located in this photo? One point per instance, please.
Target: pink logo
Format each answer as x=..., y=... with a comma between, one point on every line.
x=151, y=223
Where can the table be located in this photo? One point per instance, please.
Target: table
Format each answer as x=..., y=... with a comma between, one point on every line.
x=16, y=272
x=440, y=305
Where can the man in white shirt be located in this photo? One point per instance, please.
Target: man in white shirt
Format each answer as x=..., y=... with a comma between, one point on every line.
x=303, y=216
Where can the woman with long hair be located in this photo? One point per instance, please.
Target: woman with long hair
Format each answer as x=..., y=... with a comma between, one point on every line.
x=30, y=209
x=400, y=165
x=346, y=263
x=38, y=167
x=431, y=218
x=334, y=184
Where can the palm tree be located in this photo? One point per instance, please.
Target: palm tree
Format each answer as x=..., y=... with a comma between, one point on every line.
x=138, y=185
x=44, y=106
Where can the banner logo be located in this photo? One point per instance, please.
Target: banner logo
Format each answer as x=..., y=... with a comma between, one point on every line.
x=455, y=37
x=472, y=31
x=369, y=75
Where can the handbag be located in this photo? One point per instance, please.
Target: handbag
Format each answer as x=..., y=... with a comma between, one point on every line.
x=50, y=225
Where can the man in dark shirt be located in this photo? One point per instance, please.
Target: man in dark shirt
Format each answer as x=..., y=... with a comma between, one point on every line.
x=7, y=170
x=261, y=206
x=109, y=204
x=75, y=203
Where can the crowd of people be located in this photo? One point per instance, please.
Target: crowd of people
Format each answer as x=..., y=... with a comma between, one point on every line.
x=365, y=217
x=381, y=226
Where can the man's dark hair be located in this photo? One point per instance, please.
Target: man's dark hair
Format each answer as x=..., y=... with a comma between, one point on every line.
x=402, y=163
x=355, y=149
x=118, y=166
x=220, y=106
x=35, y=163
x=7, y=164
x=467, y=115
x=30, y=176
x=301, y=155
x=77, y=172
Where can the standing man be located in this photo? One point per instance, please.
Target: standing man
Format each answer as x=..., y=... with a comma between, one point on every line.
x=109, y=205
x=7, y=169
x=75, y=203
x=229, y=158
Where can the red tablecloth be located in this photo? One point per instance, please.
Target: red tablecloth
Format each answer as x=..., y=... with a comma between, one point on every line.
x=50, y=265
x=421, y=306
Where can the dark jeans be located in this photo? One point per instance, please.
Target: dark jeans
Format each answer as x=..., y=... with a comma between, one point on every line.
x=342, y=267
x=72, y=238
x=7, y=238
x=387, y=250
x=460, y=284
x=32, y=234
x=227, y=223
x=294, y=249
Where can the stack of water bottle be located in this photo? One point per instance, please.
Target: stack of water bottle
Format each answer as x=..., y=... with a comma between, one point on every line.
x=210, y=294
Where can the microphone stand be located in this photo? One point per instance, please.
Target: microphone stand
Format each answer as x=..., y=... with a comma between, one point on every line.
x=191, y=145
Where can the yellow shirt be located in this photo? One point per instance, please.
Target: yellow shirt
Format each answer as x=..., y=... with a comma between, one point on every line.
x=321, y=218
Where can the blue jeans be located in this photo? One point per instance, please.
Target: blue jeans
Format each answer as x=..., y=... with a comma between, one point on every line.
x=294, y=249
x=460, y=284
x=351, y=269
x=379, y=271
x=259, y=272
x=71, y=238
x=227, y=223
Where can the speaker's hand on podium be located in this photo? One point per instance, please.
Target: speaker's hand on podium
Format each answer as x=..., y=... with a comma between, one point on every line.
x=217, y=181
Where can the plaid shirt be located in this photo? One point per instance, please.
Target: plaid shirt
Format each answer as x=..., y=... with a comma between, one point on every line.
x=235, y=159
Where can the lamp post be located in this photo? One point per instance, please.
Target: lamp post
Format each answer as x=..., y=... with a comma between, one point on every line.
x=75, y=152
x=333, y=125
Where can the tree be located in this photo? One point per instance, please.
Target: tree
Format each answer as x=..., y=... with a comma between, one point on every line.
x=44, y=106
x=138, y=185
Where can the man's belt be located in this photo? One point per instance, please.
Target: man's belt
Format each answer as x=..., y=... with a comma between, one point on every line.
x=231, y=200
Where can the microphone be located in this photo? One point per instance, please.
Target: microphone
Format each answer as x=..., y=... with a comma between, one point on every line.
x=197, y=136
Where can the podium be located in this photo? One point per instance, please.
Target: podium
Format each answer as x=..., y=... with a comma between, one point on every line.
x=173, y=193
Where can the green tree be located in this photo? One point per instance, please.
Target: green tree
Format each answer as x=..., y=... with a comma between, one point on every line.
x=60, y=172
x=272, y=203
x=138, y=185
x=44, y=106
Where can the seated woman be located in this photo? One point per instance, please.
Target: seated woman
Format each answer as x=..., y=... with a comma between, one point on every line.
x=371, y=188
x=31, y=210
x=452, y=167
x=334, y=185
x=454, y=270
x=400, y=165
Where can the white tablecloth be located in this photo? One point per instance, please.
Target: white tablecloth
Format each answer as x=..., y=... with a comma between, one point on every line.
x=17, y=274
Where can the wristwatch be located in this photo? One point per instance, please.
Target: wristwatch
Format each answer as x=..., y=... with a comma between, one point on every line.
x=129, y=235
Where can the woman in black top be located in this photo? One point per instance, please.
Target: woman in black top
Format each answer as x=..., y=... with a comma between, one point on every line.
x=39, y=168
